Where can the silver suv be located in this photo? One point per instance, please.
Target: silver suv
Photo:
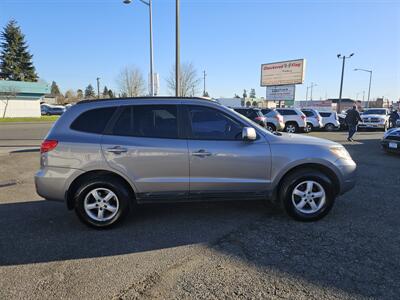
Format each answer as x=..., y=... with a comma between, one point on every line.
x=104, y=157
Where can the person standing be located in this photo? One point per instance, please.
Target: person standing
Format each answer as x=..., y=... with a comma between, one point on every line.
x=352, y=119
x=394, y=116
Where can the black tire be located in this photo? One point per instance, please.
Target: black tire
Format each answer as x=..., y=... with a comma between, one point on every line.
x=294, y=180
x=48, y=114
x=309, y=128
x=329, y=127
x=122, y=193
x=290, y=125
x=271, y=127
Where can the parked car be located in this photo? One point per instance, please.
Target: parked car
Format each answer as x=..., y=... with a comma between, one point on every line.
x=375, y=118
x=330, y=120
x=103, y=157
x=294, y=119
x=313, y=119
x=391, y=140
x=50, y=110
x=274, y=119
x=253, y=114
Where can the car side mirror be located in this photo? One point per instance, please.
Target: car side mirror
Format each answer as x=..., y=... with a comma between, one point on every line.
x=249, y=134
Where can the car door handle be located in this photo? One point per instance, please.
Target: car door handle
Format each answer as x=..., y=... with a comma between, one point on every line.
x=201, y=153
x=117, y=150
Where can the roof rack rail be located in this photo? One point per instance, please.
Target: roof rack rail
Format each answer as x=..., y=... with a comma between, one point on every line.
x=144, y=97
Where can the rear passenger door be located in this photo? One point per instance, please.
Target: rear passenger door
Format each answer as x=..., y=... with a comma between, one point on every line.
x=143, y=142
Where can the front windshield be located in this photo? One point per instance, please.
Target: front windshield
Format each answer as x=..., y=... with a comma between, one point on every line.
x=375, y=112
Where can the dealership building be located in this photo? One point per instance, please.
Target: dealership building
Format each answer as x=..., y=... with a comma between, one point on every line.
x=21, y=99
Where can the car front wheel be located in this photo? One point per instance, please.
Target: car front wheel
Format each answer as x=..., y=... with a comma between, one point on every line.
x=307, y=195
x=102, y=202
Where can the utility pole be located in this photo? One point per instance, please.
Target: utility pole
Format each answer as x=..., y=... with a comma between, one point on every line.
x=341, y=80
x=312, y=86
x=370, y=79
x=204, y=83
x=177, y=51
x=98, y=87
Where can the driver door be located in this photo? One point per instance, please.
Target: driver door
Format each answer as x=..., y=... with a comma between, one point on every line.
x=222, y=165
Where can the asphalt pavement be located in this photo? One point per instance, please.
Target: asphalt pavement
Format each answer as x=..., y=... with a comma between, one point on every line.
x=206, y=250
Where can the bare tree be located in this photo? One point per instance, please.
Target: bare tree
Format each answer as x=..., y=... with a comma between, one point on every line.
x=5, y=96
x=189, y=80
x=130, y=82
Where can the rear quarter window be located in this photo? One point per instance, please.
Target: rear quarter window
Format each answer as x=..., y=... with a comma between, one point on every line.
x=324, y=114
x=94, y=120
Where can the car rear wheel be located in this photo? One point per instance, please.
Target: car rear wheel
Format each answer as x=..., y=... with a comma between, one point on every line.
x=307, y=195
x=271, y=127
x=102, y=202
x=291, y=128
x=329, y=127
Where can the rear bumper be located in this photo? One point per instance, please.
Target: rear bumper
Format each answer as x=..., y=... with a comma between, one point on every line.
x=388, y=145
x=52, y=182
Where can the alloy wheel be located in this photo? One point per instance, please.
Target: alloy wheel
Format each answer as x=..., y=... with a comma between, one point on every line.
x=308, y=197
x=101, y=204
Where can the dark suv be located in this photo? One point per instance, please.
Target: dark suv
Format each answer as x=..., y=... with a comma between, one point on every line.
x=254, y=114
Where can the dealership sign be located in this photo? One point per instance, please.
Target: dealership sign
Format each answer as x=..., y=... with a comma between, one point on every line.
x=280, y=92
x=285, y=72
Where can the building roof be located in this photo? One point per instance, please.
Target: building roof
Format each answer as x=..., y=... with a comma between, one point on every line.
x=23, y=87
x=344, y=100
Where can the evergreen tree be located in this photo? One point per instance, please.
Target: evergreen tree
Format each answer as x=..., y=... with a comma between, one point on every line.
x=54, y=90
x=252, y=93
x=15, y=59
x=105, y=92
x=205, y=94
x=110, y=94
x=244, y=94
x=79, y=94
x=89, y=92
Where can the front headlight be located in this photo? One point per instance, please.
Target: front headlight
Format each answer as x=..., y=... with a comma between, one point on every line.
x=340, y=152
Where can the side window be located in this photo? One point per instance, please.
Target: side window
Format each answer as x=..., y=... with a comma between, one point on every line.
x=308, y=113
x=94, y=120
x=323, y=114
x=157, y=121
x=211, y=124
x=283, y=112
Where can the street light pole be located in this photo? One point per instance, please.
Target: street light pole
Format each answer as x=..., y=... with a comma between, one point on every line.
x=177, y=51
x=370, y=79
x=98, y=87
x=151, y=41
x=341, y=80
x=204, y=83
x=312, y=86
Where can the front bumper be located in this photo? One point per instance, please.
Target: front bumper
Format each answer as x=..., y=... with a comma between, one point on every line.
x=371, y=125
x=348, y=171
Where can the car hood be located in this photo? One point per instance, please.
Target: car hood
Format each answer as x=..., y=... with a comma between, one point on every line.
x=299, y=139
x=373, y=116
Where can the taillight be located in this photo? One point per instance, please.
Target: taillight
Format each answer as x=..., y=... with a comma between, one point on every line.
x=48, y=145
x=259, y=118
x=303, y=117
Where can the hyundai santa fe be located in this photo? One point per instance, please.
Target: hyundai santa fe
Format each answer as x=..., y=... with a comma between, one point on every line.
x=102, y=158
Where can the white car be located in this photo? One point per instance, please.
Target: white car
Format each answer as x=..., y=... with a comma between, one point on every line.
x=375, y=118
x=313, y=119
x=294, y=119
x=330, y=120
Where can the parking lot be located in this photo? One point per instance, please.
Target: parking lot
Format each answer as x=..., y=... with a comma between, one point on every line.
x=204, y=250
